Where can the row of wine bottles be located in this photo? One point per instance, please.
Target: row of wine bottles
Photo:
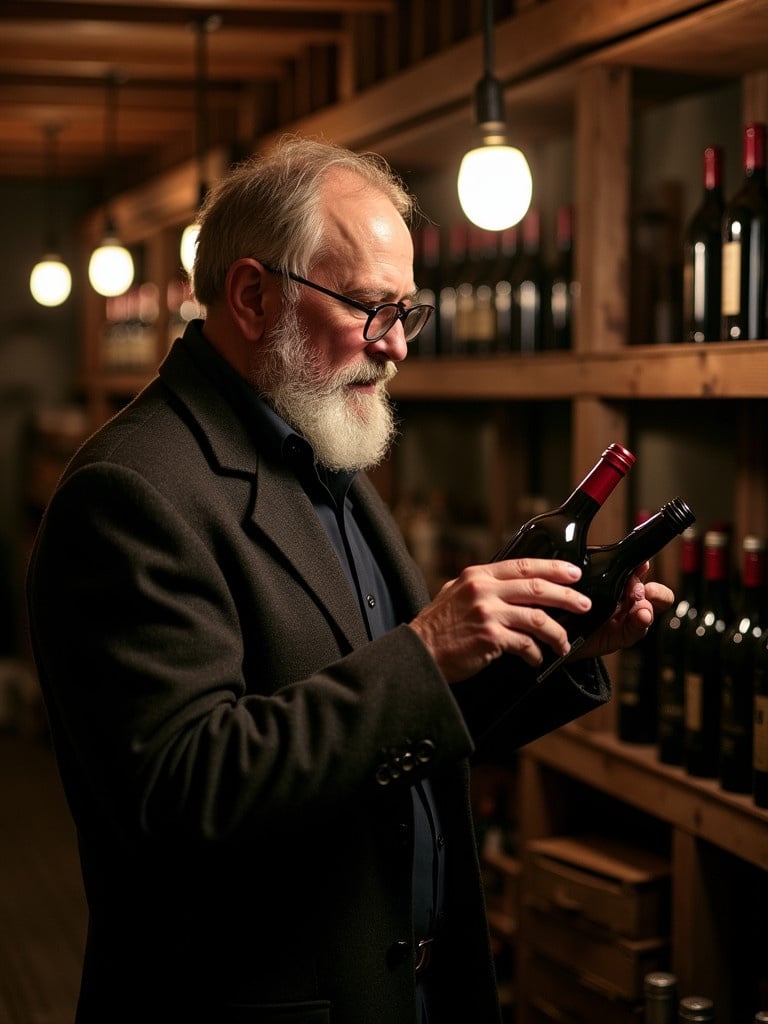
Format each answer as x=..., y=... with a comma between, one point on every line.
x=663, y=1005
x=129, y=334
x=494, y=291
x=697, y=686
x=725, y=251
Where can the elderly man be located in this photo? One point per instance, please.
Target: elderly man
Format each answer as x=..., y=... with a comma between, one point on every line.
x=263, y=724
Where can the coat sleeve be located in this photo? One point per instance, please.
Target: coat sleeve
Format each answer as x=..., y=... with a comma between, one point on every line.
x=505, y=707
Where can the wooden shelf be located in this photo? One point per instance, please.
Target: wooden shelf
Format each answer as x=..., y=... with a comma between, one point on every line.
x=714, y=370
x=634, y=775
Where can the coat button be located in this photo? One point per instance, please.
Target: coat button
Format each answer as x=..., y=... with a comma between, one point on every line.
x=425, y=749
x=399, y=953
x=371, y=601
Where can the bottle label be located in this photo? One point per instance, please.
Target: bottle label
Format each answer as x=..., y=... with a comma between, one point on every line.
x=694, y=686
x=731, y=287
x=761, y=734
x=484, y=326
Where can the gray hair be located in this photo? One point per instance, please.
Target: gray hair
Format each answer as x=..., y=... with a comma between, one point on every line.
x=268, y=208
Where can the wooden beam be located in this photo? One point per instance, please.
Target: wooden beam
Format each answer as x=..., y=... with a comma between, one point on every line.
x=602, y=232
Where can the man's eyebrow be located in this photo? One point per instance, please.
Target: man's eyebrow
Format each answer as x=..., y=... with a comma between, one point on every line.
x=375, y=295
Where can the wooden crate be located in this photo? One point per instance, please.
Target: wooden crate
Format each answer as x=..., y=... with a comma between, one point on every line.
x=602, y=882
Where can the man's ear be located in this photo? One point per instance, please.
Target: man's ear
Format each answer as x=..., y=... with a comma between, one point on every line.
x=245, y=296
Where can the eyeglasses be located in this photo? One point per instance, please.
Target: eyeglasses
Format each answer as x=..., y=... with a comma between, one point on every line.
x=381, y=319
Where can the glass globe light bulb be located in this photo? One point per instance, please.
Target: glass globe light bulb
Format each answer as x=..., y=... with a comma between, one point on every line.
x=188, y=246
x=110, y=269
x=50, y=281
x=495, y=186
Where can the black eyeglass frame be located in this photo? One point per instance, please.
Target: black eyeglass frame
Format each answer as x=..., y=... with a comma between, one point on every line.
x=402, y=312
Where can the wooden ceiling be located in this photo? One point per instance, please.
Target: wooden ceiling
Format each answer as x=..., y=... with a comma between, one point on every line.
x=265, y=62
x=396, y=75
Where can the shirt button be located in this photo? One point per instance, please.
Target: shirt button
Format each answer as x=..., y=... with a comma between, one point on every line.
x=371, y=601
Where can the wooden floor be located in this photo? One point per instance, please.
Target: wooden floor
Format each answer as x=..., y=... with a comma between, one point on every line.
x=42, y=909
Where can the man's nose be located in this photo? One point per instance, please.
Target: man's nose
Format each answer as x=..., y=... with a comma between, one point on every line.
x=392, y=344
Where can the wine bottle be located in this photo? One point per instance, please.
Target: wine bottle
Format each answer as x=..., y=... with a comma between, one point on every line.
x=609, y=566
x=696, y=1010
x=660, y=998
x=607, y=569
x=737, y=659
x=702, y=661
x=637, y=687
x=482, y=328
x=562, y=532
x=456, y=259
x=561, y=287
x=760, y=724
x=427, y=276
x=745, y=247
x=672, y=638
x=502, y=298
x=702, y=256
x=527, y=288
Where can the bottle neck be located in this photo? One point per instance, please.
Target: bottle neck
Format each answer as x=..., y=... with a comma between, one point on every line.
x=715, y=564
x=647, y=539
x=564, y=228
x=614, y=464
x=713, y=168
x=753, y=573
x=716, y=588
x=532, y=232
x=754, y=150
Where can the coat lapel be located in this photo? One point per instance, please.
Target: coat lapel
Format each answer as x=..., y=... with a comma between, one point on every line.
x=281, y=510
x=284, y=514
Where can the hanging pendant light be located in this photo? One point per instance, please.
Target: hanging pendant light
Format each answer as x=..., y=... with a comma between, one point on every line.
x=495, y=185
x=110, y=269
x=202, y=27
x=50, y=281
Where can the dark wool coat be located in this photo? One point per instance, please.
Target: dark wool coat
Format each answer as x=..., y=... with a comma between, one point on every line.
x=237, y=755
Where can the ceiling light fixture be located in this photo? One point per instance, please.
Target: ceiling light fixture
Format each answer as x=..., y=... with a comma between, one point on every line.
x=50, y=281
x=495, y=185
x=202, y=27
x=110, y=269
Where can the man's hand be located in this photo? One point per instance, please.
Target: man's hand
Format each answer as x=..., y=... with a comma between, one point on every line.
x=489, y=610
x=633, y=617
x=499, y=608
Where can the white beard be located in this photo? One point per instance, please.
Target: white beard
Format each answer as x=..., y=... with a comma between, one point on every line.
x=348, y=430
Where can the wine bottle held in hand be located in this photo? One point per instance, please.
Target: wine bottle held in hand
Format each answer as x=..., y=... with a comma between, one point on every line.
x=608, y=567
x=637, y=689
x=562, y=531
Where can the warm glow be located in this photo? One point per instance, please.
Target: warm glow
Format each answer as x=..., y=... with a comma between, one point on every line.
x=110, y=270
x=188, y=246
x=50, y=281
x=495, y=186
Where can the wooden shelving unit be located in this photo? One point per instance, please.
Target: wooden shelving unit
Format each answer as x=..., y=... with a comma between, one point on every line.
x=634, y=774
